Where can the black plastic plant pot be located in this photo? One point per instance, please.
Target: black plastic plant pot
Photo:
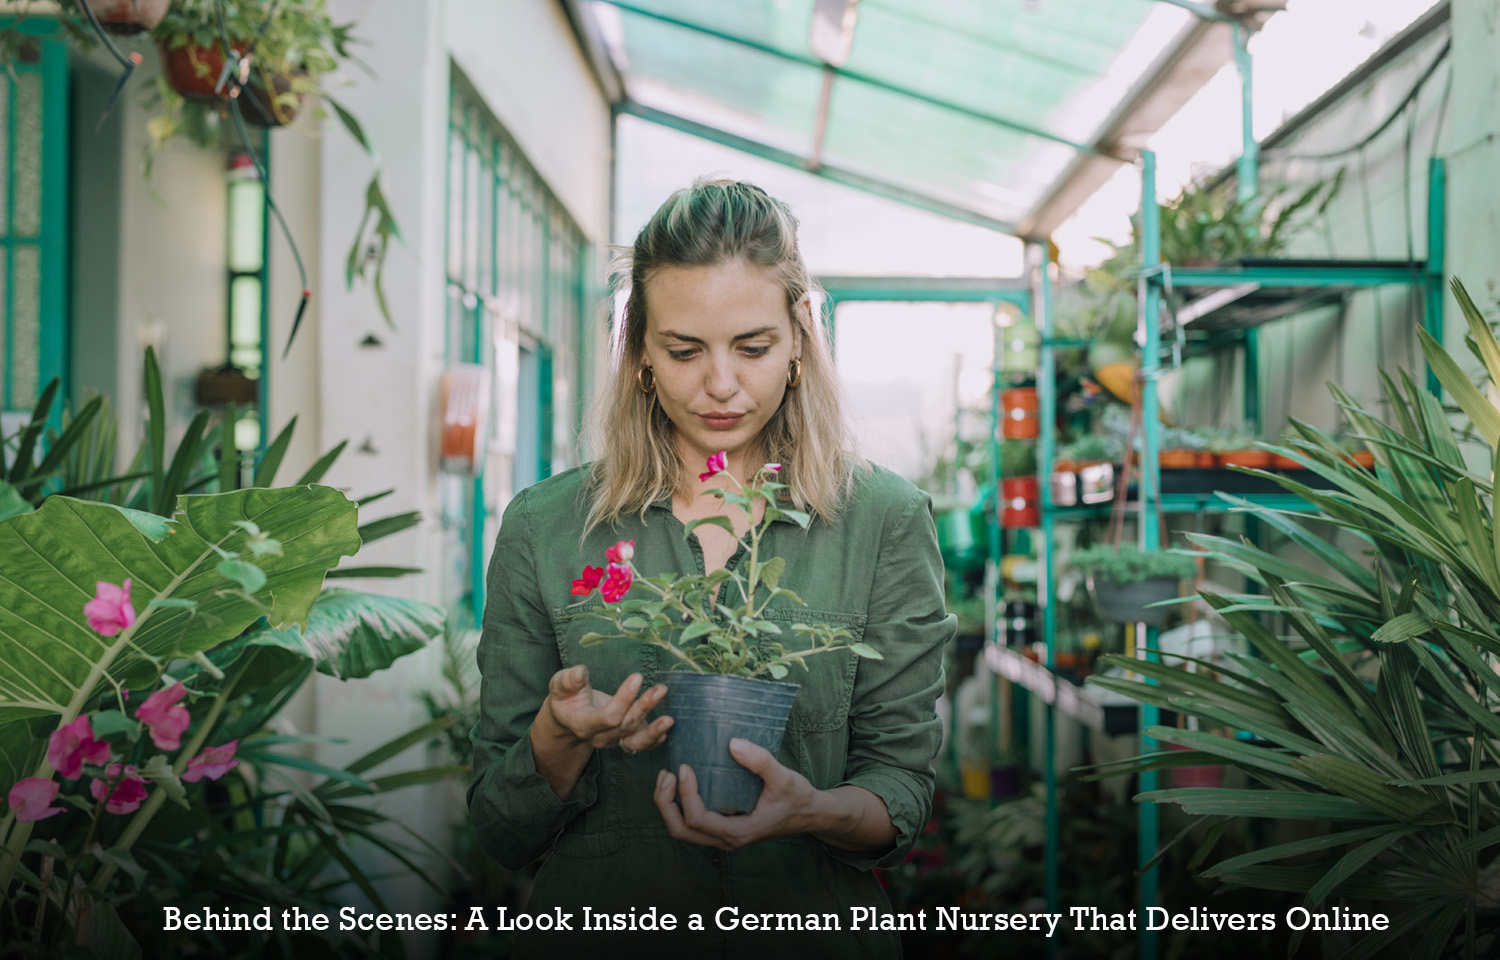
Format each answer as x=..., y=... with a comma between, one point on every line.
x=709, y=710
x=1131, y=602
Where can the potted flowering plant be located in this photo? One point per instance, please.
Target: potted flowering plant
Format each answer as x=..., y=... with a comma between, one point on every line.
x=729, y=662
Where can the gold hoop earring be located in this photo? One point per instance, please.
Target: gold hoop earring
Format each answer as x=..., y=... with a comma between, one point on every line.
x=794, y=372
x=646, y=380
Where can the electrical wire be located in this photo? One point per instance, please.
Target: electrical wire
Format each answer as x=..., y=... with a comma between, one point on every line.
x=1391, y=118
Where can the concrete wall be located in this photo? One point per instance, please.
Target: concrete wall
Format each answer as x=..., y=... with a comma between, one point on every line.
x=1380, y=213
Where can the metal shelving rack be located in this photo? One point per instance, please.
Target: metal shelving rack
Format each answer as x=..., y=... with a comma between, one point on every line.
x=1236, y=299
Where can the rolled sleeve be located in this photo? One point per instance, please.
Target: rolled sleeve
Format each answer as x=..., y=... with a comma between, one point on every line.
x=514, y=810
x=894, y=730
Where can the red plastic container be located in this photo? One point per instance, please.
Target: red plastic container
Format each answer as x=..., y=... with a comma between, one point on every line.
x=1020, y=499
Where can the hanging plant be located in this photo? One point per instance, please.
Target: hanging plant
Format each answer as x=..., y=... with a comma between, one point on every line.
x=275, y=53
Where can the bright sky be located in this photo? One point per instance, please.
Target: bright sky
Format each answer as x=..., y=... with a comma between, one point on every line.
x=905, y=365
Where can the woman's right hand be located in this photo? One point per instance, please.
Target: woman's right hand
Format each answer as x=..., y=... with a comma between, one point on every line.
x=586, y=716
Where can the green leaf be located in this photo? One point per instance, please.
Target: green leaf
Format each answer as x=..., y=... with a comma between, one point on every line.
x=62, y=664
x=798, y=517
x=109, y=722
x=697, y=629
x=771, y=571
x=397, y=745
x=12, y=504
x=265, y=474
x=386, y=526
x=1400, y=629
x=160, y=773
x=866, y=651
x=1357, y=782
x=120, y=857
x=1351, y=863
x=777, y=670
x=1267, y=804
x=1475, y=405
x=1301, y=847
x=250, y=577
x=372, y=572
x=351, y=634
x=717, y=521
x=316, y=472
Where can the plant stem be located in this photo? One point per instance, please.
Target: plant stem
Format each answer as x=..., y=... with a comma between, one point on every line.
x=143, y=816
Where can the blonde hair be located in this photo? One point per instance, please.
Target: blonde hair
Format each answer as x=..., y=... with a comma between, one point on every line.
x=710, y=223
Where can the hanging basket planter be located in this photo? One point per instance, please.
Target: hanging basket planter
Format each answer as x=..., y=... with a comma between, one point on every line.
x=129, y=16
x=1132, y=602
x=194, y=71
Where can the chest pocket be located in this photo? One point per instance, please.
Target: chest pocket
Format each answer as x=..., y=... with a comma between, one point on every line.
x=609, y=662
x=827, y=685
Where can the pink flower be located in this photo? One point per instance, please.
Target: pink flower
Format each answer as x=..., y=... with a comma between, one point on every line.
x=72, y=745
x=586, y=583
x=110, y=610
x=621, y=552
x=617, y=584
x=717, y=463
x=165, y=716
x=772, y=467
x=126, y=795
x=29, y=798
x=212, y=763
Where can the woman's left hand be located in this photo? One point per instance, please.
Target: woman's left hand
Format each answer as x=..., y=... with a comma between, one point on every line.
x=785, y=807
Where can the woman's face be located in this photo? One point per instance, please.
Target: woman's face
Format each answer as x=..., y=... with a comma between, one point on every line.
x=718, y=341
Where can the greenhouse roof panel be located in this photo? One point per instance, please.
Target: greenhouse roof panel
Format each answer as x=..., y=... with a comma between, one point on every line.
x=981, y=106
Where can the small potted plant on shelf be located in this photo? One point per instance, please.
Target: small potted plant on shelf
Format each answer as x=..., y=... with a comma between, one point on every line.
x=1180, y=448
x=1084, y=471
x=729, y=664
x=1236, y=448
x=1126, y=581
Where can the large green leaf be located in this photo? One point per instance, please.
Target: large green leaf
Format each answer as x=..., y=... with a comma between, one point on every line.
x=52, y=663
x=351, y=634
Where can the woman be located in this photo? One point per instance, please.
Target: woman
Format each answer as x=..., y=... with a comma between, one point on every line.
x=720, y=351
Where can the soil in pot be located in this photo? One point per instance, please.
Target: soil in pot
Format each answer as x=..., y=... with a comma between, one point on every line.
x=709, y=710
x=1131, y=602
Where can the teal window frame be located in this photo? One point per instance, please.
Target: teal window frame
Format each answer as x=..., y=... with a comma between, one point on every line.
x=50, y=241
x=509, y=240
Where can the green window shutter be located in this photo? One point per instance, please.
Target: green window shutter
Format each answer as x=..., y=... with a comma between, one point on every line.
x=33, y=217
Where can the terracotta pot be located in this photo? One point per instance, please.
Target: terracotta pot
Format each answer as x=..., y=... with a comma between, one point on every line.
x=1207, y=460
x=1278, y=462
x=1019, y=413
x=1364, y=458
x=1178, y=459
x=129, y=16
x=194, y=71
x=1259, y=459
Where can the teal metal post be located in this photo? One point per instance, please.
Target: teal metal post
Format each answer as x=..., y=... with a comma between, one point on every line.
x=1150, y=522
x=1248, y=168
x=52, y=293
x=1047, y=408
x=1437, y=222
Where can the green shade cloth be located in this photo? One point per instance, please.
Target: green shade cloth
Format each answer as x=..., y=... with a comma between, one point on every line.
x=959, y=101
x=870, y=723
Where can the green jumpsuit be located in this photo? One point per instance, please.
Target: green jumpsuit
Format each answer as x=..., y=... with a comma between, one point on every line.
x=876, y=570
